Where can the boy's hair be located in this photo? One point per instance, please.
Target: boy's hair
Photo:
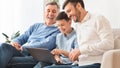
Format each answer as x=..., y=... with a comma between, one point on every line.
x=61, y=16
x=53, y=3
x=74, y=2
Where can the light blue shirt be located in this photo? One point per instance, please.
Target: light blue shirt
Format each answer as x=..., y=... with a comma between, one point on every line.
x=38, y=36
x=66, y=43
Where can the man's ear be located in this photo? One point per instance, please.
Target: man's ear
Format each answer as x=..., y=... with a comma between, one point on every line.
x=78, y=6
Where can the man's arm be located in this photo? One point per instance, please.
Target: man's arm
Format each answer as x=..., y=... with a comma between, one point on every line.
x=48, y=42
x=105, y=35
x=105, y=43
x=59, y=52
x=22, y=39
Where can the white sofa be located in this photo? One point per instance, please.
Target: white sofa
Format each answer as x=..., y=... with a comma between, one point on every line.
x=111, y=59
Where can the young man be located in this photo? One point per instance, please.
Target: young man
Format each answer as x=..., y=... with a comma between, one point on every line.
x=39, y=35
x=65, y=41
x=94, y=35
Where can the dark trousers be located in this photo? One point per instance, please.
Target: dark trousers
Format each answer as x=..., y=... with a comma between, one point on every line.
x=96, y=65
x=9, y=55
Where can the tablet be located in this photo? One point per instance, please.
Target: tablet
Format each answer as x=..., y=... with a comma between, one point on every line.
x=42, y=54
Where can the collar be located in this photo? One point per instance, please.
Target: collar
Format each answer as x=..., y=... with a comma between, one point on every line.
x=87, y=17
x=70, y=35
x=53, y=25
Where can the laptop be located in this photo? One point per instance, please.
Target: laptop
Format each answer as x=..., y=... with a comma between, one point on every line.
x=42, y=54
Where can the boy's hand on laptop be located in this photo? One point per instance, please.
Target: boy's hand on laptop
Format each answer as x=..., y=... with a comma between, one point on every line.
x=56, y=51
x=59, y=52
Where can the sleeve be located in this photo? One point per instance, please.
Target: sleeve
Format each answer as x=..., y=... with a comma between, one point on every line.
x=58, y=40
x=76, y=43
x=106, y=42
x=22, y=39
x=48, y=42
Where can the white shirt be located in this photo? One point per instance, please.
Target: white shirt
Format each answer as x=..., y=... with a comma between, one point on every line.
x=94, y=37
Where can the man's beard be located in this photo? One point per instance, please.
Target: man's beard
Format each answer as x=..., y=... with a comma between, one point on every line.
x=78, y=16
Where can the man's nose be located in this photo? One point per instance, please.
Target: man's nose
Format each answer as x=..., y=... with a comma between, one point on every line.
x=51, y=13
x=60, y=27
x=69, y=16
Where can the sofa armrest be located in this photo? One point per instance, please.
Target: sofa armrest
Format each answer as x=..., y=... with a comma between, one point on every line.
x=111, y=59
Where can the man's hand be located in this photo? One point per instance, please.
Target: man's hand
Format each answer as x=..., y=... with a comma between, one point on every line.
x=57, y=58
x=17, y=46
x=73, y=55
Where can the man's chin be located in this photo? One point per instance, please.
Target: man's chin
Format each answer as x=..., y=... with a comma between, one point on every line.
x=76, y=20
x=50, y=19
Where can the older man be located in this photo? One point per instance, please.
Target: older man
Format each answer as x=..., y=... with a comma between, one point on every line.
x=39, y=35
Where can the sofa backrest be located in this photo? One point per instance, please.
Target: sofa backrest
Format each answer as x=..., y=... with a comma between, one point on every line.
x=116, y=35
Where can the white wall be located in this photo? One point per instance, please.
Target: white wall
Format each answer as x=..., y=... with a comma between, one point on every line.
x=19, y=15
x=109, y=8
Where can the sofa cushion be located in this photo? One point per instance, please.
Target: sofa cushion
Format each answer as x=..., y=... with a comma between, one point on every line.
x=111, y=59
x=116, y=59
x=116, y=35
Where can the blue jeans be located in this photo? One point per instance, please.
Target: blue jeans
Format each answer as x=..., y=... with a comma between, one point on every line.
x=42, y=64
x=96, y=65
x=47, y=65
x=8, y=54
x=22, y=62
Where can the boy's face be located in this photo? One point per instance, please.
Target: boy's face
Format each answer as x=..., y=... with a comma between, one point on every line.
x=64, y=26
x=51, y=11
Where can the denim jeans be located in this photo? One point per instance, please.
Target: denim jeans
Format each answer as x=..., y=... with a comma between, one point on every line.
x=47, y=65
x=42, y=64
x=96, y=65
x=22, y=62
x=9, y=55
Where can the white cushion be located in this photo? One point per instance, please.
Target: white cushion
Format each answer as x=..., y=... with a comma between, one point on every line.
x=111, y=59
